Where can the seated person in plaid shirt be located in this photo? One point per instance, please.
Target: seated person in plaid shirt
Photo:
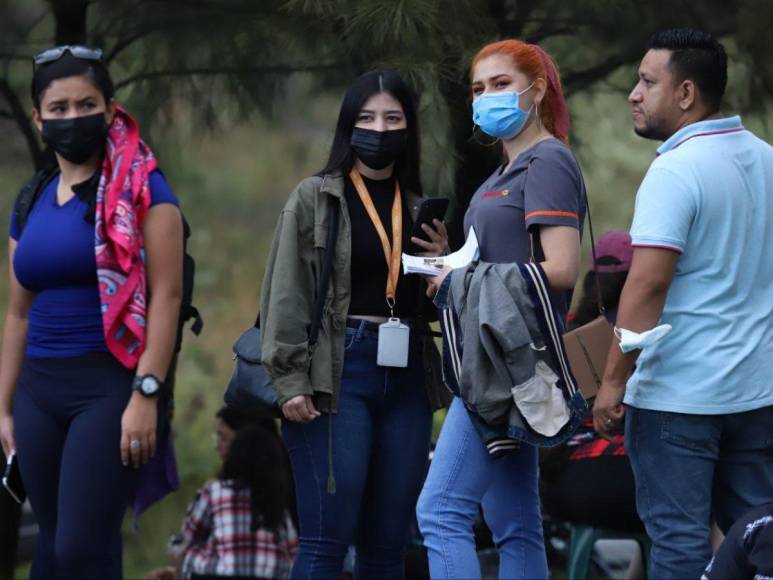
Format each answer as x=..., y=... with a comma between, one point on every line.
x=239, y=525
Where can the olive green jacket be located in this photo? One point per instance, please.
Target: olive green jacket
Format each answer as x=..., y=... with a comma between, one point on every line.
x=288, y=295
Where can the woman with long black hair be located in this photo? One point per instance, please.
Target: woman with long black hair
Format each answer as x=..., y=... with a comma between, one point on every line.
x=95, y=289
x=358, y=433
x=239, y=525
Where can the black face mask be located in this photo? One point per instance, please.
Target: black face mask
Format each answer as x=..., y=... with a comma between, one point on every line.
x=78, y=139
x=377, y=149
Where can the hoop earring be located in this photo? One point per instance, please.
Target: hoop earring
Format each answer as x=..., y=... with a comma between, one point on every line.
x=539, y=117
x=474, y=138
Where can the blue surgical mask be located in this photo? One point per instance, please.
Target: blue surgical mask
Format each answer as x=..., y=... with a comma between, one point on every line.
x=498, y=114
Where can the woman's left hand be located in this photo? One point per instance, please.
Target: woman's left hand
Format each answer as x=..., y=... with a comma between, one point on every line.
x=434, y=282
x=138, y=430
x=438, y=244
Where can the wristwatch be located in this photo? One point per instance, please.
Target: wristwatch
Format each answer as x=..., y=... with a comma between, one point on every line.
x=148, y=385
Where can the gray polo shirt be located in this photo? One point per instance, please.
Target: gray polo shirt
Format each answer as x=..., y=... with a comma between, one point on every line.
x=544, y=186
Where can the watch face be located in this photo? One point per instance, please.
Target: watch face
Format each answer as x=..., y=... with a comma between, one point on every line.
x=149, y=386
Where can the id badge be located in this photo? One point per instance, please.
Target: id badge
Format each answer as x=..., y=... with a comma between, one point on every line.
x=393, y=342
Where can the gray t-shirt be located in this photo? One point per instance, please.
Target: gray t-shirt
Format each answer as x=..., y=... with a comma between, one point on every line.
x=544, y=186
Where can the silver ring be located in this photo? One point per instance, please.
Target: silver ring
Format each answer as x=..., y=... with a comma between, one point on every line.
x=134, y=444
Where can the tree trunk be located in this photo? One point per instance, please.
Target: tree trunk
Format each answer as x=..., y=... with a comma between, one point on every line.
x=474, y=162
x=70, y=17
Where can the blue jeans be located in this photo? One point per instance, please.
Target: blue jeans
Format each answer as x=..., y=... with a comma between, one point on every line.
x=462, y=478
x=380, y=445
x=690, y=469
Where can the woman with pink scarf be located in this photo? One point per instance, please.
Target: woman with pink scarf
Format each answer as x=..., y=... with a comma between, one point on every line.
x=95, y=250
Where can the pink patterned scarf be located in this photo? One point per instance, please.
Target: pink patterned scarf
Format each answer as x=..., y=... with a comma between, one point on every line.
x=123, y=199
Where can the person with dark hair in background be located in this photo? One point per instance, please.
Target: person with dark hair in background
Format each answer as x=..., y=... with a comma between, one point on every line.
x=229, y=420
x=696, y=313
x=95, y=293
x=358, y=433
x=239, y=525
x=747, y=551
x=589, y=480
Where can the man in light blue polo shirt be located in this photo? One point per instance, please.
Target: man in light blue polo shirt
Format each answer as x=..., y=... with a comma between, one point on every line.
x=699, y=418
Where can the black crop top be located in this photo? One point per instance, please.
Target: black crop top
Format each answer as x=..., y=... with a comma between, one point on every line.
x=369, y=268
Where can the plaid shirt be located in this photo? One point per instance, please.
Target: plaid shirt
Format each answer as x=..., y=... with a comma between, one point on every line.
x=218, y=540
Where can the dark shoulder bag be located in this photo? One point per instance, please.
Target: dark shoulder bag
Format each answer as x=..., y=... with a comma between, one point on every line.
x=250, y=388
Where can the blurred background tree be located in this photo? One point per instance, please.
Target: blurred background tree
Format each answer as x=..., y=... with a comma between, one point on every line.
x=238, y=98
x=202, y=51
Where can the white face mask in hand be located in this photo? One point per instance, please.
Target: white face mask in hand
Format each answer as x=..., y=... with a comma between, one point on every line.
x=630, y=340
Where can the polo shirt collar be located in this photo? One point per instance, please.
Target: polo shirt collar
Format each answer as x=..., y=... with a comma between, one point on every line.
x=701, y=128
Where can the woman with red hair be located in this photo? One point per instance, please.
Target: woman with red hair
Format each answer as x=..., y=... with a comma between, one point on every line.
x=532, y=206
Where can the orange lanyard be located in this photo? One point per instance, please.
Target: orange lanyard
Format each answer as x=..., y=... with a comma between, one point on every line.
x=393, y=251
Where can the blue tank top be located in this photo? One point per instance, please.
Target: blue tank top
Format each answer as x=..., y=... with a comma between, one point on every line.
x=55, y=260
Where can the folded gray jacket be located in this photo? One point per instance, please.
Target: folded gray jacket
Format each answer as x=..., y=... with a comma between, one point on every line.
x=508, y=374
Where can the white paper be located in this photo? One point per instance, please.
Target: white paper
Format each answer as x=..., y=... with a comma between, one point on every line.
x=630, y=340
x=431, y=266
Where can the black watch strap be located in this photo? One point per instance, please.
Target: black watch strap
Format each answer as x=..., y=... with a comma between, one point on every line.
x=148, y=385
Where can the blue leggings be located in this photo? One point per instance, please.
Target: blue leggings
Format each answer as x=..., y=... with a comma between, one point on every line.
x=67, y=417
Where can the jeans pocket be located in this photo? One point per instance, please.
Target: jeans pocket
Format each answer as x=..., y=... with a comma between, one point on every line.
x=541, y=402
x=688, y=431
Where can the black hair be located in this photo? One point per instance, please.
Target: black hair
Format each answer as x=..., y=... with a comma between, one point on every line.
x=697, y=56
x=257, y=461
x=365, y=86
x=611, y=284
x=236, y=419
x=71, y=66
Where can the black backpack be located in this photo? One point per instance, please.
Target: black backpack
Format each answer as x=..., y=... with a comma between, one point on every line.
x=29, y=195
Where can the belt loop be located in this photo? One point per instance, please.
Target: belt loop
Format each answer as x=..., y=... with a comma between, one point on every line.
x=360, y=330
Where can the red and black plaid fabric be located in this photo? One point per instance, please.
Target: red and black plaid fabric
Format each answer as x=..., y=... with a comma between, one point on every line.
x=586, y=443
x=218, y=540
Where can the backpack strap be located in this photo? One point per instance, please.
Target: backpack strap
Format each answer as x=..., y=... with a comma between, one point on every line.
x=187, y=310
x=29, y=194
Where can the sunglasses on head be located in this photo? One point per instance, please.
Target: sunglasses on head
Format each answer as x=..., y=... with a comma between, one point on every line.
x=57, y=52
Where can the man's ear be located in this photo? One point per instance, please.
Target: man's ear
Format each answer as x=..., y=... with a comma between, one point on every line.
x=687, y=93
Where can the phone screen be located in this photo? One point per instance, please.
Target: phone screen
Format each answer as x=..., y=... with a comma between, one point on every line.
x=431, y=209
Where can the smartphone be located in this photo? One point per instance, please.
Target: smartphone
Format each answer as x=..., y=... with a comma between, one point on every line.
x=12, y=479
x=431, y=209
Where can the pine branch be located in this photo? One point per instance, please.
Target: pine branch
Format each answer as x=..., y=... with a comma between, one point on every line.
x=581, y=79
x=124, y=43
x=217, y=71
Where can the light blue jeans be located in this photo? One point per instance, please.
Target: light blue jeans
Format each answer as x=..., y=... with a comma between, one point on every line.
x=462, y=478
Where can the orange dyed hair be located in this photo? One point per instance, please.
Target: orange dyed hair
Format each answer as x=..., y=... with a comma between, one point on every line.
x=535, y=63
